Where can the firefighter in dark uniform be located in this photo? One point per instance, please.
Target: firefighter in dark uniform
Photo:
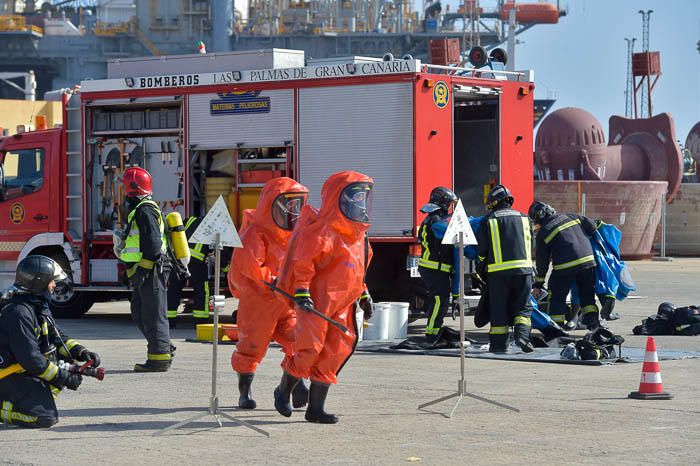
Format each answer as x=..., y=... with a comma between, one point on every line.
x=199, y=278
x=565, y=239
x=436, y=262
x=505, y=262
x=145, y=253
x=32, y=348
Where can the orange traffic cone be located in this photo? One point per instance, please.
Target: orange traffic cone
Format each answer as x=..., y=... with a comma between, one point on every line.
x=650, y=386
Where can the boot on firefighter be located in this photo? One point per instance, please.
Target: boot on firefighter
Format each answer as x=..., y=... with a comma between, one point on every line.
x=261, y=316
x=565, y=240
x=324, y=268
x=144, y=251
x=33, y=348
x=198, y=280
x=505, y=260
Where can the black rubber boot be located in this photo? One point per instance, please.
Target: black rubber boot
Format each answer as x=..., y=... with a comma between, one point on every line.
x=246, y=401
x=606, y=311
x=152, y=366
x=173, y=348
x=498, y=343
x=172, y=323
x=522, y=338
x=282, y=394
x=300, y=395
x=591, y=320
x=554, y=331
x=317, y=398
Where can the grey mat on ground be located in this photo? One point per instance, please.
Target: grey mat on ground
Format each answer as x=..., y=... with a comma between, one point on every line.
x=550, y=355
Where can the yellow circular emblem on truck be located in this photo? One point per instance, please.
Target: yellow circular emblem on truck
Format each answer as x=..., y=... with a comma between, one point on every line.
x=17, y=213
x=441, y=94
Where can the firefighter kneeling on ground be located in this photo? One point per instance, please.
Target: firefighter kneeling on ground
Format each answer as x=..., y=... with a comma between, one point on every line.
x=144, y=250
x=32, y=347
x=505, y=262
x=565, y=238
x=437, y=260
x=199, y=278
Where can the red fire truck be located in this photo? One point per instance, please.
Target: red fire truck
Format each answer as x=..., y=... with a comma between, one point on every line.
x=214, y=124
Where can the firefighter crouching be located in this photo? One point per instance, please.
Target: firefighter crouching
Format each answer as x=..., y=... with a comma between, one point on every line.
x=144, y=250
x=437, y=260
x=199, y=278
x=32, y=347
x=565, y=239
x=505, y=261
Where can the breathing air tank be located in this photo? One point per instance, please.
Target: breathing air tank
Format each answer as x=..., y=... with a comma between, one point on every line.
x=178, y=239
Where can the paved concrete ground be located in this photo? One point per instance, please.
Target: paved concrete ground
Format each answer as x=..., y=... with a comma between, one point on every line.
x=570, y=414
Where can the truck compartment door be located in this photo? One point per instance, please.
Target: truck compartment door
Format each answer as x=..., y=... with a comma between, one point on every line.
x=367, y=128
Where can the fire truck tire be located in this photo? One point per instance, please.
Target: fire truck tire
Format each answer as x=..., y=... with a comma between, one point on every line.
x=67, y=303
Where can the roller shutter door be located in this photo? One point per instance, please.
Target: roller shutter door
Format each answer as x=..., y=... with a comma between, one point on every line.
x=221, y=131
x=369, y=129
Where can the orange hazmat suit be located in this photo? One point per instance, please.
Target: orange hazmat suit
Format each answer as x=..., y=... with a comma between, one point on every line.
x=261, y=316
x=326, y=261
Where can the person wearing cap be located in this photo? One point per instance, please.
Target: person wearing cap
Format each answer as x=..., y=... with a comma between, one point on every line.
x=436, y=264
x=144, y=250
x=33, y=348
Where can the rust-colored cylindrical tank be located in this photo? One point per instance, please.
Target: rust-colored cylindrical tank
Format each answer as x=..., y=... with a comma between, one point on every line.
x=540, y=13
x=633, y=206
x=570, y=145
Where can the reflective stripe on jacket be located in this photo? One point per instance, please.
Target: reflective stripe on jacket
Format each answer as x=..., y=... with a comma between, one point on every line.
x=132, y=247
x=505, y=242
x=435, y=256
x=565, y=239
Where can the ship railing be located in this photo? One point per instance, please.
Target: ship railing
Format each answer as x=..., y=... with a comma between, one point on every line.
x=16, y=23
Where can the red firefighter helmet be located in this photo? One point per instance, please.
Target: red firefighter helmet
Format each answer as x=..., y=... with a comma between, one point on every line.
x=137, y=182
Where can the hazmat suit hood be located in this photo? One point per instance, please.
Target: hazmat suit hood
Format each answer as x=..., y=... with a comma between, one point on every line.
x=331, y=211
x=263, y=216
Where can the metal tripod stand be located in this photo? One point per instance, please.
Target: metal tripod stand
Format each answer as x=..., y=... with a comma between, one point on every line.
x=213, y=409
x=462, y=383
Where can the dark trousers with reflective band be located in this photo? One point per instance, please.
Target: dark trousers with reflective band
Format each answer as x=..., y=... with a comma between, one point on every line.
x=560, y=283
x=439, y=286
x=148, y=310
x=199, y=280
x=509, y=304
x=27, y=401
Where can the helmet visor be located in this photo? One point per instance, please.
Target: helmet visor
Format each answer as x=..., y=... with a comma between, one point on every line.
x=58, y=273
x=356, y=202
x=286, y=209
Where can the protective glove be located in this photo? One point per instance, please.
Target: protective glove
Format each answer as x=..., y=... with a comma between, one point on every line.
x=138, y=278
x=87, y=355
x=65, y=379
x=537, y=291
x=454, y=304
x=304, y=303
x=366, y=305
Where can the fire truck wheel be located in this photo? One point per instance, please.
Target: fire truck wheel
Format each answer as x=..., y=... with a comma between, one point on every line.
x=66, y=303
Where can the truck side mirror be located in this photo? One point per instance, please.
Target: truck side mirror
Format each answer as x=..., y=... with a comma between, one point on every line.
x=2, y=183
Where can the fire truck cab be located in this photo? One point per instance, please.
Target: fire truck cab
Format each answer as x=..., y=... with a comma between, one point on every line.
x=223, y=124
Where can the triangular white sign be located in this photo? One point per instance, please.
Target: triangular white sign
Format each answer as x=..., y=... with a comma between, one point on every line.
x=216, y=221
x=459, y=223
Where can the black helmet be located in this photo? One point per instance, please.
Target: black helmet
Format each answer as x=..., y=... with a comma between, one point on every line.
x=34, y=273
x=667, y=310
x=498, y=196
x=540, y=211
x=440, y=198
